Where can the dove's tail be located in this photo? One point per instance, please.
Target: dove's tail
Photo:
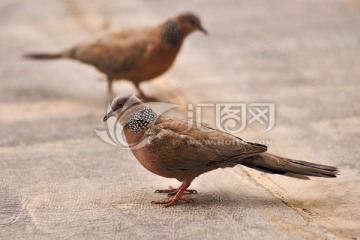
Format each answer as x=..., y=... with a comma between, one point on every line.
x=44, y=56
x=270, y=163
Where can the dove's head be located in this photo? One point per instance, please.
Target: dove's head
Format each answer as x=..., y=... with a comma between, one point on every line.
x=189, y=22
x=131, y=112
x=122, y=106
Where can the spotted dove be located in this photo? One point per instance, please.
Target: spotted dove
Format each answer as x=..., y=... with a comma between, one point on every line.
x=176, y=148
x=137, y=54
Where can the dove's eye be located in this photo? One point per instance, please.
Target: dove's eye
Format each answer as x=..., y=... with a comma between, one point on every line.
x=120, y=105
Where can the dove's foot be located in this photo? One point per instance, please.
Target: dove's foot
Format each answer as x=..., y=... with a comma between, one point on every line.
x=177, y=195
x=171, y=191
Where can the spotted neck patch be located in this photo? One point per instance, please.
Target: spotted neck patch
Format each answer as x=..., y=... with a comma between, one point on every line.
x=141, y=119
x=172, y=32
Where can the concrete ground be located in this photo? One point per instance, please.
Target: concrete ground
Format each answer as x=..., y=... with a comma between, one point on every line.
x=58, y=180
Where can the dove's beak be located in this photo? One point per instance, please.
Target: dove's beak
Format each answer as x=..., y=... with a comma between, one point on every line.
x=108, y=115
x=201, y=29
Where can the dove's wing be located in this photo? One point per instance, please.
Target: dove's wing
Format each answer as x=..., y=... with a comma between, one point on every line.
x=179, y=146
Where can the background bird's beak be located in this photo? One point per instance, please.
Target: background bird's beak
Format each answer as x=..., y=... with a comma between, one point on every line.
x=108, y=115
x=203, y=30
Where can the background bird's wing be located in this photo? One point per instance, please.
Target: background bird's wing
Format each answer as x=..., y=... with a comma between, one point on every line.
x=113, y=54
x=179, y=145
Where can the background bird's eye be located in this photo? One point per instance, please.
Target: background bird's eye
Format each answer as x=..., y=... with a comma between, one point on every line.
x=192, y=22
x=121, y=105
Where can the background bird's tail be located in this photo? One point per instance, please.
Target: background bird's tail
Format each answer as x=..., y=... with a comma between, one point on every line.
x=270, y=163
x=43, y=56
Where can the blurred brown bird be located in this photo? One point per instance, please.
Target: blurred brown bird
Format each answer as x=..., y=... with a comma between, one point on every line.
x=175, y=148
x=137, y=54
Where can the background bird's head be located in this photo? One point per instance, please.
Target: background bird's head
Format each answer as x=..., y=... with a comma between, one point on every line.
x=189, y=22
x=123, y=106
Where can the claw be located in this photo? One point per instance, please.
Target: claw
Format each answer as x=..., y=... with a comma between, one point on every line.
x=191, y=191
x=170, y=190
x=187, y=191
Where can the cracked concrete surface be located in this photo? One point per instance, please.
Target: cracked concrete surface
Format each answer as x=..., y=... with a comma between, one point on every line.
x=58, y=180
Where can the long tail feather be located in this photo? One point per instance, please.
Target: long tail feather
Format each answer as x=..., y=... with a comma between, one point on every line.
x=270, y=163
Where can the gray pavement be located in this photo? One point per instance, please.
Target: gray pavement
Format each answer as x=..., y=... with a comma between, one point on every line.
x=58, y=180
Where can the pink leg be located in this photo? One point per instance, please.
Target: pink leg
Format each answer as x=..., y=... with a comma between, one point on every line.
x=172, y=200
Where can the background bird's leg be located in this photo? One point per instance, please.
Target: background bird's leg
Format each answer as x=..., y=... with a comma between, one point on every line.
x=110, y=91
x=172, y=191
x=178, y=196
x=143, y=95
